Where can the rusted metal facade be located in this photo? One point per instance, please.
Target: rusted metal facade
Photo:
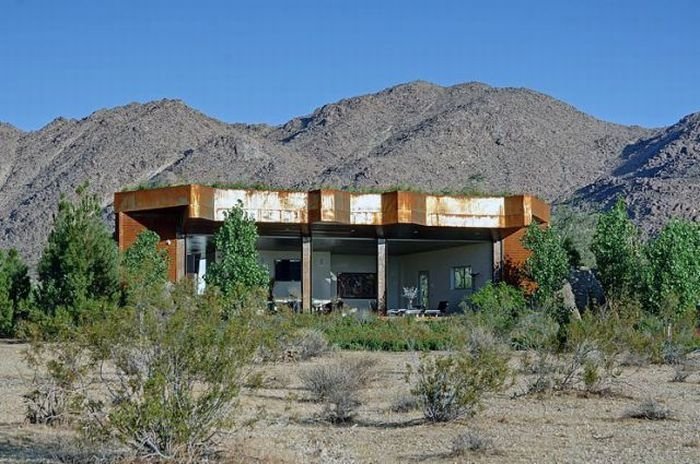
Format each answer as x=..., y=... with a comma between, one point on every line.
x=173, y=212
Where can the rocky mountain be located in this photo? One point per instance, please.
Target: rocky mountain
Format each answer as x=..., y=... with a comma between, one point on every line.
x=421, y=135
x=658, y=175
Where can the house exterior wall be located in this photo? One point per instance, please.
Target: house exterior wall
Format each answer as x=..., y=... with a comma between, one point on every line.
x=439, y=264
x=168, y=210
x=130, y=225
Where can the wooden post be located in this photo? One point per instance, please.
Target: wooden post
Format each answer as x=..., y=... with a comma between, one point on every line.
x=306, y=273
x=382, y=257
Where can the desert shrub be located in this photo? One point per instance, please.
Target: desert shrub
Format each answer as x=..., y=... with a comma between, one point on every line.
x=648, y=409
x=337, y=384
x=166, y=372
x=647, y=337
x=499, y=306
x=597, y=344
x=79, y=264
x=306, y=344
x=589, y=361
x=682, y=371
x=404, y=403
x=62, y=375
x=470, y=441
x=535, y=331
x=179, y=368
x=453, y=385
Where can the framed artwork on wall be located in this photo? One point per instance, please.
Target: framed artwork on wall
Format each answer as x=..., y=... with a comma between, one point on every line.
x=357, y=285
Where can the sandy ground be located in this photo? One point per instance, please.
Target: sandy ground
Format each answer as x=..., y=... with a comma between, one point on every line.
x=554, y=429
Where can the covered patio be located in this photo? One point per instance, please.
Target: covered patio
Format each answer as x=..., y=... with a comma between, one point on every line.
x=324, y=246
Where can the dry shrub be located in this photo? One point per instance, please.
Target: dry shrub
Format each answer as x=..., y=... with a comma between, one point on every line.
x=307, y=344
x=403, y=403
x=61, y=378
x=648, y=409
x=470, y=441
x=161, y=377
x=590, y=361
x=451, y=386
x=337, y=384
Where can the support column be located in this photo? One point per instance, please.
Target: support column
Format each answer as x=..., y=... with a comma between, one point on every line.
x=306, y=273
x=382, y=258
x=497, y=261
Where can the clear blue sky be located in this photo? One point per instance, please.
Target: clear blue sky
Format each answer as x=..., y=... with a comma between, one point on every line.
x=633, y=62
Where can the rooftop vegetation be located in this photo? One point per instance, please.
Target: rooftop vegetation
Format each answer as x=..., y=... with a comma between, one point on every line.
x=472, y=189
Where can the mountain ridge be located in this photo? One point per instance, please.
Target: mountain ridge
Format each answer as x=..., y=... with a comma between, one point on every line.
x=418, y=134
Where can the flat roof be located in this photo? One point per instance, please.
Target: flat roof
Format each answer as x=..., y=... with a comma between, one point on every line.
x=340, y=206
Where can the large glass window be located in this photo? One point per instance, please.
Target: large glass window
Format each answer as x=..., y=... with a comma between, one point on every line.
x=462, y=277
x=288, y=270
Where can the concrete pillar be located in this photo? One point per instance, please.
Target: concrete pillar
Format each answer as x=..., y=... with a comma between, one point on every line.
x=382, y=266
x=306, y=260
x=497, y=261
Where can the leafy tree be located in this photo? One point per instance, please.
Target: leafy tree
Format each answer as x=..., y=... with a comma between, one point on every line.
x=576, y=227
x=80, y=262
x=548, y=264
x=237, y=270
x=617, y=249
x=572, y=252
x=15, y=287
x=144, y=266
x=673, y=271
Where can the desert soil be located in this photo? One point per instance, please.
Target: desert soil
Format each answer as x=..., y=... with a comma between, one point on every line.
x=552, y=429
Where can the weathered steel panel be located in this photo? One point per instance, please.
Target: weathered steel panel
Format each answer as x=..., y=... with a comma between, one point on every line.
x=366, y=208
x=263, y=206
x=452, y=211
x=204, y=207
x=138, y=200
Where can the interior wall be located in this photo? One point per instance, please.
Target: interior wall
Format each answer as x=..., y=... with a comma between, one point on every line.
x=280, y=290
x=439, y=264
x=352, y=263
x=321, y=278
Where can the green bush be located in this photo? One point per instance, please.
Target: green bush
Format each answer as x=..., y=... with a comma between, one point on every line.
x=535, y=331
x=398, y=334
x=144, y=266
x=499, y=306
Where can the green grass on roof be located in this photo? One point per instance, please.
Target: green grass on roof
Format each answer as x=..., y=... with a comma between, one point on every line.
x=470, y=190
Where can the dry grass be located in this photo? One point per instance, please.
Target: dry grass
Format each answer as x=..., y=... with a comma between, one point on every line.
x=554, y=428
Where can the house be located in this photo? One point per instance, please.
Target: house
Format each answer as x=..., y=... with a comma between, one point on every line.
x=363, y=248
